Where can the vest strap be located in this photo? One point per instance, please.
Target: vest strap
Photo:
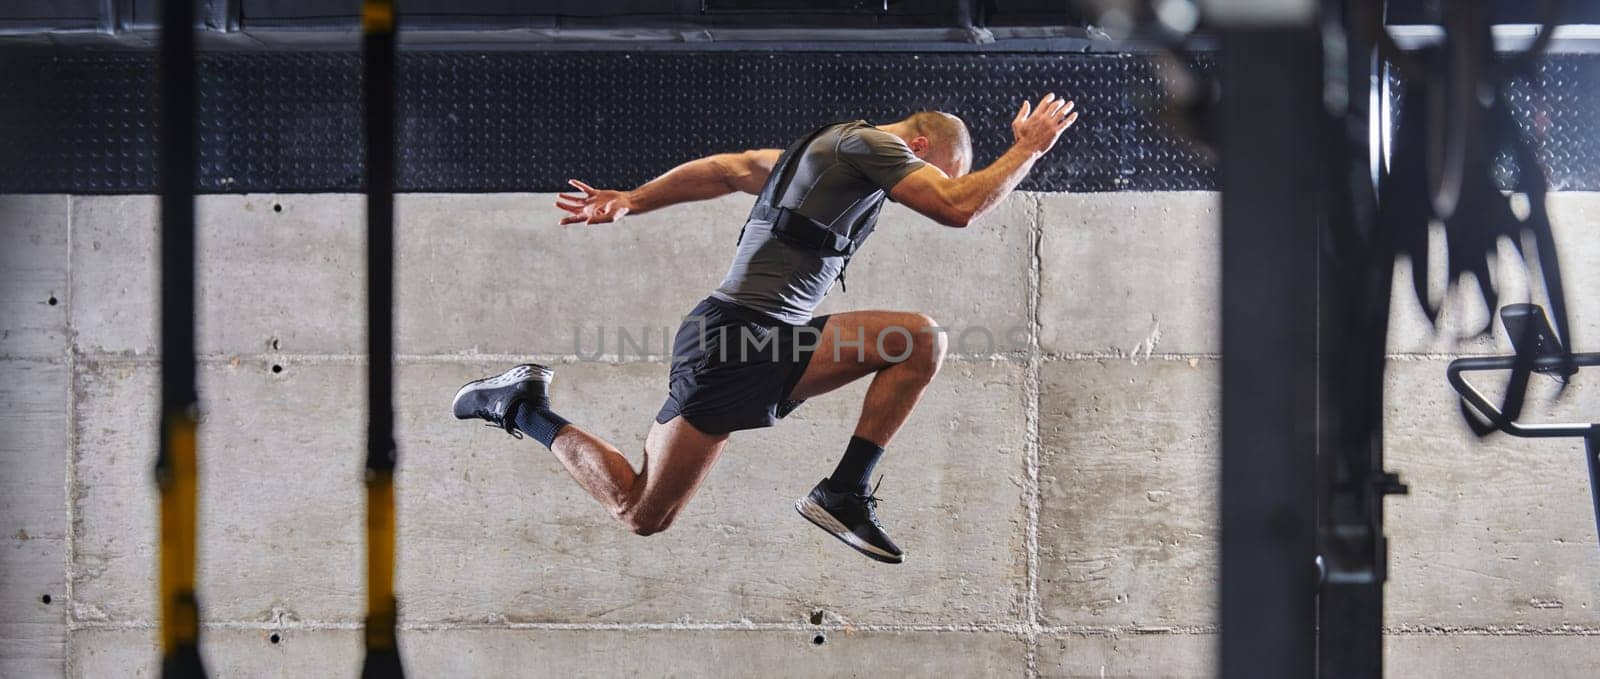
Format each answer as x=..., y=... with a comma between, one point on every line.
x=799, y=230
x=805, y=232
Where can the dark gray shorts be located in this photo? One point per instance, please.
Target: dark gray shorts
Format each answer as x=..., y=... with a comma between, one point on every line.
x=734, y=367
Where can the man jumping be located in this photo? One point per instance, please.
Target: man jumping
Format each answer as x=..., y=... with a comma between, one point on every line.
x=752, y=352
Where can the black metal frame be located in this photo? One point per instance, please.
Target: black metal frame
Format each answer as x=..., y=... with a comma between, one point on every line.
x=1354, y=288
x=1270, y=109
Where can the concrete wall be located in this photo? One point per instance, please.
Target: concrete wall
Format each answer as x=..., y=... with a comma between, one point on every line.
x=1055, y=492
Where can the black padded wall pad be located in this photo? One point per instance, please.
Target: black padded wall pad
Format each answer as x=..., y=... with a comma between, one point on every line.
x=484, y=122
x=82, y=122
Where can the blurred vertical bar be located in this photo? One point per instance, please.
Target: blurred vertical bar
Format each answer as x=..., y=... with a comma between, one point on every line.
x=1271, y=110
x=176, y=462
x=1353, y=293
x=378, y=61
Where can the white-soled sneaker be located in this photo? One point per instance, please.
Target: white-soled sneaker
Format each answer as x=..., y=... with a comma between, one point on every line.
x=851, y=518
x=492, y=398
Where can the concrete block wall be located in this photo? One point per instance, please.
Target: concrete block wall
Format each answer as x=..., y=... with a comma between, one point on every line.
x=1055, y=492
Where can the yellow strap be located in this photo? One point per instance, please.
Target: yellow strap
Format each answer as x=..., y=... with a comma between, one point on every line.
x=380, y=560
x=179, y=485
x=377, y=16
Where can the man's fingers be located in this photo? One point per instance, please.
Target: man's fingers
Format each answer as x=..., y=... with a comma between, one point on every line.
x=574, y=209
x=1067, y=107
x=582, y=186
x=1068, y=121
x=1022, y=113
x=572, y=220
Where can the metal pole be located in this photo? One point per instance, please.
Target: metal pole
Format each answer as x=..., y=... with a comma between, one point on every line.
x=1356, y=265
x=1271, y=78
x=378, y=51
x=1352, y=479
x=176, y=461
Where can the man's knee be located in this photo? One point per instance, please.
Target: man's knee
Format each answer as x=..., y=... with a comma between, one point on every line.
x=929, y=344
x=645, y=522
x=648, y=529
x=914, y=339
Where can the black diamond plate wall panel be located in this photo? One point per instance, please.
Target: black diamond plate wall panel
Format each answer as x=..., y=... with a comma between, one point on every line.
x=521, y=121
x=280, y=122
x=1559, y=110
x=526, y=121
x=78, y=124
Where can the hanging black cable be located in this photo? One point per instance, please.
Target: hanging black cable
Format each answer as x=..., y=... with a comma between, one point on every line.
x=176, y=461
x=377, y=23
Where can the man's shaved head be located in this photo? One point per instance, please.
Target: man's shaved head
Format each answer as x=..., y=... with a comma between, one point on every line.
x=949, y=144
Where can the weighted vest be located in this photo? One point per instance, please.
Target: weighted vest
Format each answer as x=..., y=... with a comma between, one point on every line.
x=841, y=237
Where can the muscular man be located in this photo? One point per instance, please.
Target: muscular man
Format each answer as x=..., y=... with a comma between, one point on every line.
x=752, y=351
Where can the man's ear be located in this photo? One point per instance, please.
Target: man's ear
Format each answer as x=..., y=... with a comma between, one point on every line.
x=919, y=146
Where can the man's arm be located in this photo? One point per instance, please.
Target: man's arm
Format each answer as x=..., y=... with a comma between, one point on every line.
x=701, y=179
x=957, y=202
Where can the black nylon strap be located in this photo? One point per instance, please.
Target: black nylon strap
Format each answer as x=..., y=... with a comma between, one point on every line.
x=764, y=209
x=798, y=229
x=809, y=233
x=785, y=169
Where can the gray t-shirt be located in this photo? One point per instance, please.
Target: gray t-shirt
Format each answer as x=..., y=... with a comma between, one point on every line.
x=845, y=165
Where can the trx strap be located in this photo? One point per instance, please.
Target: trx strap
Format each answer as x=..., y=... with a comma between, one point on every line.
x=177, y=461
x=382, y=660
x=804, y=232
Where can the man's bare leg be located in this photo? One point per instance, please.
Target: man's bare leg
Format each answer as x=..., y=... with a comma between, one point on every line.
x=677, y=455
x=677, y=458
x=903, y=352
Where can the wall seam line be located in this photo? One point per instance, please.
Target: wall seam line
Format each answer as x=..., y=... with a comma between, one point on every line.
x=1020, y=357
x=1031, y=446
x=784, y=627
x=281, y=624
x=69, y=585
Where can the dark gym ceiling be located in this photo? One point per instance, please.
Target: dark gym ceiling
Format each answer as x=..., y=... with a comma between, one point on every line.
x=934, y=25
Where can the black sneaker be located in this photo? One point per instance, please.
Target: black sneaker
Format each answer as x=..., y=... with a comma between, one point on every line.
x=850, y=517
x=492, y=398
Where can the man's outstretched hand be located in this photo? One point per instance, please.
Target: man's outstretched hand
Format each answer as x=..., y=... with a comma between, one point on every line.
x=594, y=206
x=1038, y=128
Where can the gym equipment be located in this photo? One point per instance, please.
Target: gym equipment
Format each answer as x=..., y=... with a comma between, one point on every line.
x=377, y=46
x=177, y=463
x=1539, y=351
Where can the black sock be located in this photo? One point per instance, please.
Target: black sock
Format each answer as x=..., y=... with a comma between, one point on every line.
x=856, y=467
x=536, y=419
